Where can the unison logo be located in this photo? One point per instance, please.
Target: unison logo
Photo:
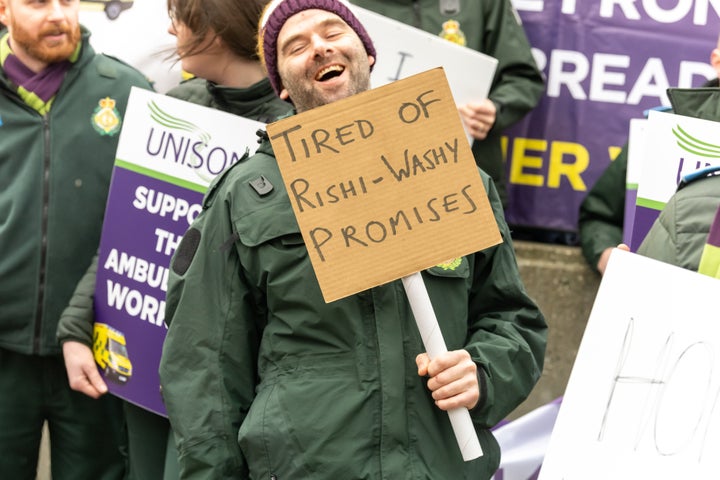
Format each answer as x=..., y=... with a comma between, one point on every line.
x=694, y=145
x=182, y=142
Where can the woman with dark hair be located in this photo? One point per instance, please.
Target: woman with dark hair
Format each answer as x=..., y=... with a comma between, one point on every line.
x=215, y=43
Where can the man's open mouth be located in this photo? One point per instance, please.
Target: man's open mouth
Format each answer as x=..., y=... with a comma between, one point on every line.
x=329, y=72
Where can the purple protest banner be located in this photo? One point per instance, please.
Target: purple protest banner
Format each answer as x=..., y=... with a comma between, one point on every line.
x=143, y=225
x=605, y=62
x=524, y=441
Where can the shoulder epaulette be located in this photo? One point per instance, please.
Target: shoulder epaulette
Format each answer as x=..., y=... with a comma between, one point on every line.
x=710, y=171
x=659, y=108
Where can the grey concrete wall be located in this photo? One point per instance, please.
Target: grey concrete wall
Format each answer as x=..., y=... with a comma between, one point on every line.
x=564, y=287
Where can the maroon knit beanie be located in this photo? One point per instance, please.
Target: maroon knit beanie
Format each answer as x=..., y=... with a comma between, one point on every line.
x=276, y=14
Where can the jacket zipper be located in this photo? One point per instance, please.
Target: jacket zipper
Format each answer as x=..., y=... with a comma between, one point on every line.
x=416, y=14
x=43, y=235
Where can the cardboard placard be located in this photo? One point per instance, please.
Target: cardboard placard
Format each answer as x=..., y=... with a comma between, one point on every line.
x=383, y=184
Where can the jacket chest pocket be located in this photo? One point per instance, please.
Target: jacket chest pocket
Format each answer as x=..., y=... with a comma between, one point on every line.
x=273, y=252
x=273, y=223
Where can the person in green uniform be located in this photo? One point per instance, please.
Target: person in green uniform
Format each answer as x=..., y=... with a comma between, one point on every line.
x=492, y=27
x=219, y=49
x=61, y=108
x=263, y=379
x=678, y=236
x=601, y=214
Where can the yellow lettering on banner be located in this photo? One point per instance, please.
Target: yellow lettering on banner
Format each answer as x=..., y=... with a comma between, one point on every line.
x=528, y=159
x=557, y=169
x=521, y=160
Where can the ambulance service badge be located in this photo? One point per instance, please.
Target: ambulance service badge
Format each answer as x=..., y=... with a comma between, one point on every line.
x=106, y=118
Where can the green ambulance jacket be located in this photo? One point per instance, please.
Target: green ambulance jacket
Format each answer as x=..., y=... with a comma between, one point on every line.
x=264, y=380
x=602, y=211
x=679, y=235
x=710, y=258
x=54, y=177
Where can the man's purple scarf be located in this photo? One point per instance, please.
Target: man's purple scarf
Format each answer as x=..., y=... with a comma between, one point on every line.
x=37, y=89
x=44, y=84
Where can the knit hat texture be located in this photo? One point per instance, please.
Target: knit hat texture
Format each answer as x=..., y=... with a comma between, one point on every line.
x=276, y=14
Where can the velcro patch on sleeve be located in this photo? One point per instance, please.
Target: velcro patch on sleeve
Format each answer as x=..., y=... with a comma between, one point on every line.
x=186, y=251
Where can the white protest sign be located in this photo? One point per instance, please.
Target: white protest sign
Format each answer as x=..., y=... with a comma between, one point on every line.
x=189, y=142
x=404, y=51
x=168, y=152
x=675, y=145
x=643, y=395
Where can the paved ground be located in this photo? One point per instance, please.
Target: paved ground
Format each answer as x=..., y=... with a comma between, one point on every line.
x=44, y=464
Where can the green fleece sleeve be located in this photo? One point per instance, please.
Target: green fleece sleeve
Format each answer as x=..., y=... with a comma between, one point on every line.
x=518, y=84
x=76, y=321
x=602, y=212
x=507, y=330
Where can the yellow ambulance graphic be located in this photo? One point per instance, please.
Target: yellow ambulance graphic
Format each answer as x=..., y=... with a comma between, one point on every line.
x=110, y=351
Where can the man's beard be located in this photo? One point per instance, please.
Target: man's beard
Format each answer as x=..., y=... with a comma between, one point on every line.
x=36, y=45
x=305, y=98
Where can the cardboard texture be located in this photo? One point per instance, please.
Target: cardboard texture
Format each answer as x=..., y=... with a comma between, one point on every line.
x=383, y=184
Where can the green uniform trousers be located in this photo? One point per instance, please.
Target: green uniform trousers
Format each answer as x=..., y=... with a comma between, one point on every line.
x=152, y=451
x=86, y=435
